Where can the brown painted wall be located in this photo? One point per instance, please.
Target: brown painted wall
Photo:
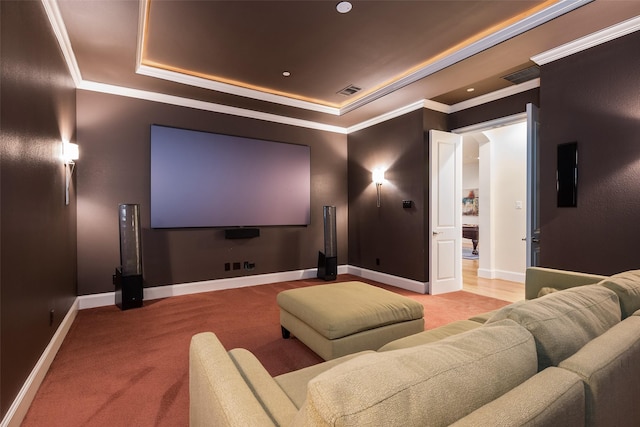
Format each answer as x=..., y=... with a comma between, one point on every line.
x=391, y=239
x=114, y=136
x=37, y=230
x=593, y=97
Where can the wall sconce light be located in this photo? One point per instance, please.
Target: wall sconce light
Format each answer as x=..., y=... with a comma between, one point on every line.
x=378, y=178
x=70, y=153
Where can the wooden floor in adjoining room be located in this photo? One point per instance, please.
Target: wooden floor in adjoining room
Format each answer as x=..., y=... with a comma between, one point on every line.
x=495, y=288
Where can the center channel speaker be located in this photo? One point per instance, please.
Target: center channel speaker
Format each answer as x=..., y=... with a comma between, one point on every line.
x=328, y=260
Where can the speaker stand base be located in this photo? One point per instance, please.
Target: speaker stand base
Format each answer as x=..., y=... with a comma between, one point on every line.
x=327, y=267
x=129, y=291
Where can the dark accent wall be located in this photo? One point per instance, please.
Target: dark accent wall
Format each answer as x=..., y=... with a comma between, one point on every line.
x=114, y=136
x=37, y=230
x=593, y=97
x=391, y=239
x=493, y=110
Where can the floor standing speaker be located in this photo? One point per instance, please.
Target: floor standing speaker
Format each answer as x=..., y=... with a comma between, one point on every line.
x=328, y=260
x=128, y=278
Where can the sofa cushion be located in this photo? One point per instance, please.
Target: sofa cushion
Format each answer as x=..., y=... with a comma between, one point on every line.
x=431, y=335
x=483, y=317
x=551, y=398
x=627, y=286
x=295, y=383
x=563, y=322
x=431, y=384
x=540, y=277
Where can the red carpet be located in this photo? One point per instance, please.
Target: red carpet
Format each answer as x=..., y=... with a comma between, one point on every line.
x=130, y=368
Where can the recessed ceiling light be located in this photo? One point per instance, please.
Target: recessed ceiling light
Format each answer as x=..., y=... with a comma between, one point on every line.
x=286, y=73
x=471, y=89
x=343, y=7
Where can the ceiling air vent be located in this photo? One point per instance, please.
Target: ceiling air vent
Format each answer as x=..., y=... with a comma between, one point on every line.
x=349, y=90
x=523, y=75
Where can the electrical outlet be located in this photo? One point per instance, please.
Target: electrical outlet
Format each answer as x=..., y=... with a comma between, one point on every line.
x=227, y=266
x=236, y=266
x=377, y=261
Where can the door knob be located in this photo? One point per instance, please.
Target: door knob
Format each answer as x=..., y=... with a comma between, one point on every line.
x=435, y=233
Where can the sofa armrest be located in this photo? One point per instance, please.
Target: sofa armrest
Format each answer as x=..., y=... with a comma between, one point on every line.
x=609, y=368
x=218, y=395
x=538, y=277
x=550, y=398
x=264, y=387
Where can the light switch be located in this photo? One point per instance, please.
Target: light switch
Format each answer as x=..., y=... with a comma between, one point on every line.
x=518, y=204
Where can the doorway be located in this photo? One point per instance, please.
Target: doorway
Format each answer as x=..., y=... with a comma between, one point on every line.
x=495, y=199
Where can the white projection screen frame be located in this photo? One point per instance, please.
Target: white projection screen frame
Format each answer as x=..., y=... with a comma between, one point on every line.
x=202, y=179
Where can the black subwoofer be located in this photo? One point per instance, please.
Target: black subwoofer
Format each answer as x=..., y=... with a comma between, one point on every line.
x=328, y=260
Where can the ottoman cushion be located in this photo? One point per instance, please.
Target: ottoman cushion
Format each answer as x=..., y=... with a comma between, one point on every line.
x=340, y=309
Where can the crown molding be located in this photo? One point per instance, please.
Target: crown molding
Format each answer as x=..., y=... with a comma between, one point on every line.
x=206, y=106
x=200, y=82
x=143, y=10
x=611, y=33
x=60, y=30
x=437, y=106
x=493, y=96
x=386, y=116
x=492, y=124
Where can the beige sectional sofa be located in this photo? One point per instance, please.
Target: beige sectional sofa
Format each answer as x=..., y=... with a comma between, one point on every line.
x=570, y=358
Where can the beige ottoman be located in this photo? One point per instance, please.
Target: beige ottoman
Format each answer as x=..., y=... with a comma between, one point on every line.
x=343, y=318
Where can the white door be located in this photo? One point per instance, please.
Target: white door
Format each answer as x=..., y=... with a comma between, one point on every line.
x=533, y=181
x=445, y=212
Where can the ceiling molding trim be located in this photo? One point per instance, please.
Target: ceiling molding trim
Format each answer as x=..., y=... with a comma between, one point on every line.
x=492, y=124
x=60, y=31
x=437, y=106
x=200, y=82
x=387, y=116
x=493, y=96
x=611, y=33
x=206, y=106
x=143, y=10
x=539, y=18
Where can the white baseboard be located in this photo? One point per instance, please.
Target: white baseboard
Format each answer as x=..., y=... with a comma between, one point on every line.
x=502, y=275
x=157, y=292
x=445, y=288
x=388, y=279
x=18, y=410
x=486, y=273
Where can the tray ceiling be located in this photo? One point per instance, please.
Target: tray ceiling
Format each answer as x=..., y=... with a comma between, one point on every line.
x=234, y=53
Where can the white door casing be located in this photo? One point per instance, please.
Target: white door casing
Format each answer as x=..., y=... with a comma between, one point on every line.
x=445, y=212
x=533, y=211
